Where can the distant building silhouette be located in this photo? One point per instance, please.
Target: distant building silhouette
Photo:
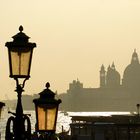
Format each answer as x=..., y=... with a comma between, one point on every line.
x=113, y=94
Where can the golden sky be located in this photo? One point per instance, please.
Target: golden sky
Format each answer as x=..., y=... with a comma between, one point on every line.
x=74, y=38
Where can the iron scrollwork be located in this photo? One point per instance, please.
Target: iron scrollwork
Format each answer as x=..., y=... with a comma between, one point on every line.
x=10, y=127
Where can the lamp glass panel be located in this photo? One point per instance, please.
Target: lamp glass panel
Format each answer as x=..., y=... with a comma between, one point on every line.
x=20, y=62
x=41, y=118
x=46, y=118
x=51, y=116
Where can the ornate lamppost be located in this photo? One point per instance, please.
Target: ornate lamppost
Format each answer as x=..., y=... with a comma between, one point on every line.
x=20, y=52
x=46, y=108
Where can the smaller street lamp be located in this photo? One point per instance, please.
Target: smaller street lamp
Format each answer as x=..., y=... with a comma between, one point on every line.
x=46, y=108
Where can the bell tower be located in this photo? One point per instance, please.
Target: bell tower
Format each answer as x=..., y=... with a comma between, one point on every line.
x=102, y=76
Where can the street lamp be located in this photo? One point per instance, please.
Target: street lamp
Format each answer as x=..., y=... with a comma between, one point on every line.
x=46, y=108
x=20, y=56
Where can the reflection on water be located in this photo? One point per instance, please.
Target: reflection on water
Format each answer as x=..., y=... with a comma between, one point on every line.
x=61, y=121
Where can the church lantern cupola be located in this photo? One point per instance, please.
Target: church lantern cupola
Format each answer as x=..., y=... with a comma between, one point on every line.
x=135, y=59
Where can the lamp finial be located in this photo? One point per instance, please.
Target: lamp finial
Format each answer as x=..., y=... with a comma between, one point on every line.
x=20, y=28
x=47, y=85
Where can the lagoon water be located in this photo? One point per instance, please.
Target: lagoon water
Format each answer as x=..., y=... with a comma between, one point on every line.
x=62, y=120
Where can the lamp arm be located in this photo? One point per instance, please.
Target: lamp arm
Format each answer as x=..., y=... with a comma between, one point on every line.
x=14, y=114
x=24, y=82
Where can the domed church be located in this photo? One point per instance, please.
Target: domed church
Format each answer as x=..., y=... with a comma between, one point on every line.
x=131, y=75
x=113, y=94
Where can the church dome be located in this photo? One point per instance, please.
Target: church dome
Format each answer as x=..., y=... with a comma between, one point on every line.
x=132, y=70
x=131, y=76
x=113, y=74
x=113, y=77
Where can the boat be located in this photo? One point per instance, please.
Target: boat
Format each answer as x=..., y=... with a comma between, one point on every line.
x=65, y=113
x=113, y=127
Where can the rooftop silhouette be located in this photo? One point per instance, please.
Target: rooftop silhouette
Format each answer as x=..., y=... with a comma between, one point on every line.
x=114, y=93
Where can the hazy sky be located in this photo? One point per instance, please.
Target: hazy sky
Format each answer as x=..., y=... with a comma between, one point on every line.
x=74, y=38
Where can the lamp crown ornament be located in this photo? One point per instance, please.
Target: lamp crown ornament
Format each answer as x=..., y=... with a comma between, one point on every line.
x=47, y=96
x=20, y=28
x=47, y=85
x=47, y=93
x=21, y=36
